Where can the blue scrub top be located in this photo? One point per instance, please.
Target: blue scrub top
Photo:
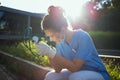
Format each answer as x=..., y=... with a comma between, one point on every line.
x=82, y=47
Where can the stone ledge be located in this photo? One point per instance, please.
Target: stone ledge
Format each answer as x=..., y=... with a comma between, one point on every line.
x=27, y=69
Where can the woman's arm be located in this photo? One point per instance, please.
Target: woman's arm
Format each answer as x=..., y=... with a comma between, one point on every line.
x=55, y=66
x=59, y=61
x=72, y=66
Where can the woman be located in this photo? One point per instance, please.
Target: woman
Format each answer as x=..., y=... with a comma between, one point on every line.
x=76, y=57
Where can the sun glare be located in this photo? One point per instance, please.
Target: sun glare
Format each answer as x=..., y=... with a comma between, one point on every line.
x=73, y=8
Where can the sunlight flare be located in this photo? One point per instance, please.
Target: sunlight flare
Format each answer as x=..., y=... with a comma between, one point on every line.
x=73, y=8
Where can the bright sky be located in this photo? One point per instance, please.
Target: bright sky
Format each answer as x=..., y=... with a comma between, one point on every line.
x=72, y=7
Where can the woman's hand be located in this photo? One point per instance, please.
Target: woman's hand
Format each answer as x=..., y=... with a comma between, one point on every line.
x=55, y=66
x=44, y=49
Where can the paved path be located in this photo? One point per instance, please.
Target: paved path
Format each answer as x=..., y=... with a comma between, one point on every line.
x=5, y=74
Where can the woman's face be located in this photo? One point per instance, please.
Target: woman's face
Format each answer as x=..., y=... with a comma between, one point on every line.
x=53, y=35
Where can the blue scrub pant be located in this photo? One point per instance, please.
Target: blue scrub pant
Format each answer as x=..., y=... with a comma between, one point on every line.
x=80, y=75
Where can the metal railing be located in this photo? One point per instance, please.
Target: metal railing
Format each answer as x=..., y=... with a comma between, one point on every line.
x=109, y=53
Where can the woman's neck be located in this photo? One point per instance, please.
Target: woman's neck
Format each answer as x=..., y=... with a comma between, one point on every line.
x=69, y=34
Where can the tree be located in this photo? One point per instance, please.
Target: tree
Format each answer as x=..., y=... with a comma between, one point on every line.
x=116, y=3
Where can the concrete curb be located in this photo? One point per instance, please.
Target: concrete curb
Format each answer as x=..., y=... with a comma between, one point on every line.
x=27, y=69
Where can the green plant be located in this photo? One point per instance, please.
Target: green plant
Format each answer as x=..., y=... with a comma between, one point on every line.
x=113, y=68
x=23, y=52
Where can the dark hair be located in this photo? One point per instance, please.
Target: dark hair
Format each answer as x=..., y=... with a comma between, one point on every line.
x=54, y=20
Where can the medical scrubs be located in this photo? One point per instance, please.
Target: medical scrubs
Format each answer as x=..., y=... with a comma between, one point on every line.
x=82, y=47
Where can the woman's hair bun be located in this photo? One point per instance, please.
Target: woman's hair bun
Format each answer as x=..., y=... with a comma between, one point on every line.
x=55, y=11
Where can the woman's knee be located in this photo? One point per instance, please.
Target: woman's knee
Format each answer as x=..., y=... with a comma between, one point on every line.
x=86, y=75
x=50, y=76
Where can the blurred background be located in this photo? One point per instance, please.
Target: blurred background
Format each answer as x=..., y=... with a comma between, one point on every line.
x=20, y=21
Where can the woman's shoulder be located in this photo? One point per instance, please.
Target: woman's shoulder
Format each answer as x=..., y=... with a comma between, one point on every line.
x=81, y=32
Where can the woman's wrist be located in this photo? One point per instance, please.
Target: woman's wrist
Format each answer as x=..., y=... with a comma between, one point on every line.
x=51, y=53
